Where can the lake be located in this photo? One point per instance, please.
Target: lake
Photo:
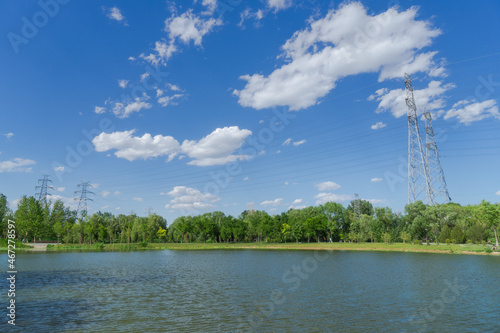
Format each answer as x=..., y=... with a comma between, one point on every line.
x=254, y=291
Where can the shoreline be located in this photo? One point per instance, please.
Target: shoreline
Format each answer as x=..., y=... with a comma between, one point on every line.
x=470, y=249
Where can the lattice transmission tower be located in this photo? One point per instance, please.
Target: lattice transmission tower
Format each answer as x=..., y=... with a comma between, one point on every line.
x=357, y=205
x=82, y=200
x=41, y=195
x=419, y=182
x=438, y=182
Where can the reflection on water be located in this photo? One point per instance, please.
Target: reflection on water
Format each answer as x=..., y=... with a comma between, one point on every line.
x=260, y=291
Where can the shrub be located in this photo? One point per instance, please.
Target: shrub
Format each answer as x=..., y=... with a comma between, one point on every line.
x=488, y=250
x=457, y=234
x=445, y=234
x=448, y=242
x=469, y=241
x=454, y=241
x=97, y=246
x=143, y=244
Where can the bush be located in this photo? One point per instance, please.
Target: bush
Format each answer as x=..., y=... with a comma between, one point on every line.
x=488, y=250
x=97, y=246
x=143, y=244
x=469, y=242
x=445, y=234
x=448, y=242
x=457, y=234
x=454, y=241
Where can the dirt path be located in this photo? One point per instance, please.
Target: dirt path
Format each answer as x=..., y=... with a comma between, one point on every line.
x=38, y=246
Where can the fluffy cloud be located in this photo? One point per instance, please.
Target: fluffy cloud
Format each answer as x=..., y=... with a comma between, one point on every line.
x=274, y=203
x=186, y=198
x=430, y=98
x=123, y=83
x=327, y=186
x=166, y=100
x=277, y=5
x=375, y=201
x=376, y=180
x=123, y=110
x=59, y=169
x=298, y=143
x=99, y=109
x=468, y=112
x=347, y=41
x=133, y=147
x=138, y=199
x=9, y=135
x=185, y=28
x=323, y=198
x=68, y=202
x=378, y=125
x=497, y=193
x=217, y=148
x=17, y=165
x=115, y=14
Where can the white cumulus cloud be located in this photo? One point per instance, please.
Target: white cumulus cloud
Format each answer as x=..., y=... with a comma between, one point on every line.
x=123, y=83
x=430, y=98
x=323, y=198
x=378, y=125
x=275, y=202
x=347, y=41
x=327, y=186
x=17, y=165
x=132, y=147
x=468, y=112
x=186, y=198
x=376, y=180
x=114, y=13
x=124, y=110
x=217, y=148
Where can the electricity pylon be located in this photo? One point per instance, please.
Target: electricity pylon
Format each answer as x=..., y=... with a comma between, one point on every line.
x=44, y=189
x=357, y=205
x=438, y=182
x=82, y=201
x=419, y=184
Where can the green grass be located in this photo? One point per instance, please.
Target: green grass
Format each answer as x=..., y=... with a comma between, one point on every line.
x=392, y=247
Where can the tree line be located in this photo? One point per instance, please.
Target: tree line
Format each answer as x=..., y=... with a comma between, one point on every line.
x=448, y=223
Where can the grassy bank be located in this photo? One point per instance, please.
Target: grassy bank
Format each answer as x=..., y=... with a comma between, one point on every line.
x=393, y=247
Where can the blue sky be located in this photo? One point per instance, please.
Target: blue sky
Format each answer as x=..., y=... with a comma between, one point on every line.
x=194, y=106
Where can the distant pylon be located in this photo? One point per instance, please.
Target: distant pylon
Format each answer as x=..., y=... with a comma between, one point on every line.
x=44, y=189
x=419, y=185
x=438, y=182
x=357, y=205
x=82, y=200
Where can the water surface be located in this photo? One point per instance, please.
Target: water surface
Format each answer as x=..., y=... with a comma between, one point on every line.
x=255, y=291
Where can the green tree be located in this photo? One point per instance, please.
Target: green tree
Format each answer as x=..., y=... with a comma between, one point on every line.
x=404, y=236
x=457, y=235
x=58, y=230
x=29, y=218
x=445, y=234
x=490, y=214
x=285, y=230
